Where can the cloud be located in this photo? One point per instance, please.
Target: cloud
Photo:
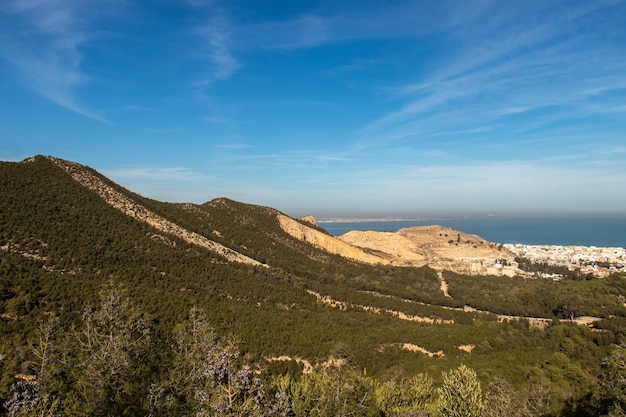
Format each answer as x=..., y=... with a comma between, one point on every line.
x=485, y=43
x=238, y=157
x=353, y=66
x=406, y=189
x=215, y=33
x=307, y=30
x=175, y=174
x=42, y=39
x=234, y=146
x=524, y=61
x=172, y=184
x=136, y=108
x=506, y=186
x=302, y=32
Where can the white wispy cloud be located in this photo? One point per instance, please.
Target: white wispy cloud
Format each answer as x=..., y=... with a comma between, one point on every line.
x=543, y=61
x=215, y=33
x=136, y=108
x=406, y=19
x=172, y=174
x=240, y=157
x=467, y=187
x=42, y=39
x=234, y=146
x=173, y=184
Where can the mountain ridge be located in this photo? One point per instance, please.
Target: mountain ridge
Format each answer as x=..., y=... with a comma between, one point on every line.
x=367, y=247
x=131, y=208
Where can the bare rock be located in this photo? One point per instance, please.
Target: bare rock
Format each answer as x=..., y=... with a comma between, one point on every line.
x=309, y=219
x=327, y=242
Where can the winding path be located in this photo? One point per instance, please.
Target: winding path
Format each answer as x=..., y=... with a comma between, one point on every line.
x=444, y=284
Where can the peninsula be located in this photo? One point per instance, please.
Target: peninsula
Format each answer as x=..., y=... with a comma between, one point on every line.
x=443, y=247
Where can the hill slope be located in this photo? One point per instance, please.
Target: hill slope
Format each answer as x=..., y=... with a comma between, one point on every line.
x=440, y=247
x=131, y=208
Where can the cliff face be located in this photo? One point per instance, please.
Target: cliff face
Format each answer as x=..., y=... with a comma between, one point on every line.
x=327, y=242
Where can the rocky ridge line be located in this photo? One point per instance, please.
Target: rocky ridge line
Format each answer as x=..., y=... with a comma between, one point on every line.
x=329, y=243
x=131, y=208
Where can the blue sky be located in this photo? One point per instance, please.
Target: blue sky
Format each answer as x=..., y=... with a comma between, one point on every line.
x=330, y=108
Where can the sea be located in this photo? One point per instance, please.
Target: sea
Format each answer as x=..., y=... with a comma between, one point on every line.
x=608, y=231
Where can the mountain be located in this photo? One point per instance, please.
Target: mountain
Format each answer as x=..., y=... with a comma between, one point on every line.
x=294, y=296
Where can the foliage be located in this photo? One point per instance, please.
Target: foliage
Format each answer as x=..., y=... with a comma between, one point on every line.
x=502, y=400
x=460, y=394
x=29, y=401
x=112, y=341
x=334, y=391
x=541, y=298
x=206, y=378
x=406, y=396
x=613, y=382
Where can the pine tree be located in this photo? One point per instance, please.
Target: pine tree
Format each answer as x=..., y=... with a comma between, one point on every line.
x=460, y=395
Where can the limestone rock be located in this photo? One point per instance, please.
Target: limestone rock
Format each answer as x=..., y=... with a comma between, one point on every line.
x=327, y=242
x=309, y=219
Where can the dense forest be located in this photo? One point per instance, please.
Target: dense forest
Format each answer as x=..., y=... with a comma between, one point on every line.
x=102, y=314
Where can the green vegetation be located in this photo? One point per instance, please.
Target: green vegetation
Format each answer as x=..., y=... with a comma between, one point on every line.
x=541, y=298
x=103, y=315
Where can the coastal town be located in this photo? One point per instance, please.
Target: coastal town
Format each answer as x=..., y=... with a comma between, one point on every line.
x=589, y=260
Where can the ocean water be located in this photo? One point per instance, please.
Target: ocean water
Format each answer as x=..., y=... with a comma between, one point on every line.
x=584, y=231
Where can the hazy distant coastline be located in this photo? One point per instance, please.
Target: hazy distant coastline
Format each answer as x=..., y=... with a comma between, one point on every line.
x=401, y=219
x=374, y=219
x=600, y=231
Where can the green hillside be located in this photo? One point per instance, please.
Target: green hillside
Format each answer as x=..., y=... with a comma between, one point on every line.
x=67, y=255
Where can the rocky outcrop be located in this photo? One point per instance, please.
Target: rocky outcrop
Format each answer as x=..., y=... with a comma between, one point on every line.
x=412, y=348
x=327, y=242
x=398, y=249
x=309, y=219
x=440, y=247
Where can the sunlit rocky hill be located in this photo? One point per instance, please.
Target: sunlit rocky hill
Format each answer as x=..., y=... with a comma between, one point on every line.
x=439, y=247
